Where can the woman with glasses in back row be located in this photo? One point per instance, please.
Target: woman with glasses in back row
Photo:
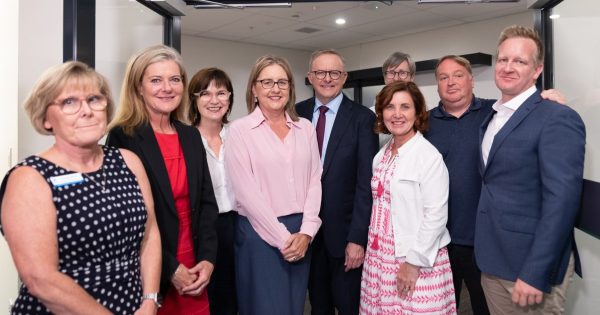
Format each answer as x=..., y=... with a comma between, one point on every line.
x=275, y=171
x=153, y=101
x=78, y=217
x=211, y=98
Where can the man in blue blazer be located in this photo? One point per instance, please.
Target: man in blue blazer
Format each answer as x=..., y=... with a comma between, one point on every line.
x=532, y=153
x=348, y=145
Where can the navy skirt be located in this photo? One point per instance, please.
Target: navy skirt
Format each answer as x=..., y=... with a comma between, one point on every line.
x=265, y=282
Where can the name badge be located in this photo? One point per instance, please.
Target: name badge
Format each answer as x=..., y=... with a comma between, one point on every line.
x=67, y=179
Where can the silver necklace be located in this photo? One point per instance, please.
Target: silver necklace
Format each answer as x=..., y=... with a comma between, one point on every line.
x=103, y=184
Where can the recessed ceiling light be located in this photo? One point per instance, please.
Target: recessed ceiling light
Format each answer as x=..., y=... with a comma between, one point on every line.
x=340, y=21
x=554, y=16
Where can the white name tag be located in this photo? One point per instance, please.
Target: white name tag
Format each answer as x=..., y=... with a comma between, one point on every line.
x=68, y=179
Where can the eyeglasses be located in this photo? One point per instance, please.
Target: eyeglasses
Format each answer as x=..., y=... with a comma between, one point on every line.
x=269, y=84
x=72, y=105
x=401, y=74
x=207, y=96
x=333, y=74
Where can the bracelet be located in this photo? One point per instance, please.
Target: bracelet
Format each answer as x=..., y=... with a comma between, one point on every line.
x=153, y=297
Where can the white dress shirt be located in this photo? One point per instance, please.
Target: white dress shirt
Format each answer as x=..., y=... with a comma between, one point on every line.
x=334, y=107
x=503, y=113
x=218, y=175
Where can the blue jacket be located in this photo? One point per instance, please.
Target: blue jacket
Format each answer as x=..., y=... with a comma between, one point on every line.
x=530, y=194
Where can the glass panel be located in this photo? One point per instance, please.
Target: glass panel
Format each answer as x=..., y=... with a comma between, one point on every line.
x=369, y=94
x=122, y=29
x=349, y=92
x=577, y=69
x=577, y=76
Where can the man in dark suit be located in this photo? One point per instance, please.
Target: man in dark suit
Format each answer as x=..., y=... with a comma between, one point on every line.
x=348, y=145
x=532, y=153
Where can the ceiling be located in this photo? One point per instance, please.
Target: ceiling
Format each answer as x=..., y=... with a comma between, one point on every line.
x=366, y=21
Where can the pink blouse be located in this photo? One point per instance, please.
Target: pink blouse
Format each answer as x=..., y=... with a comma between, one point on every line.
x=272, y=178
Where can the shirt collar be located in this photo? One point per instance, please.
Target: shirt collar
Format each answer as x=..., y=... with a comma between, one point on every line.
x=440, y=112
x=257, y=118
x=333, y=105
x=516, y=101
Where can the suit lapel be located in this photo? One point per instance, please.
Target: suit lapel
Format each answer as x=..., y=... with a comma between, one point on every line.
x=151, y=151
x=308, y=110
x=482, y=130
x=512, y=123
x=342, y=119
x=190, y=154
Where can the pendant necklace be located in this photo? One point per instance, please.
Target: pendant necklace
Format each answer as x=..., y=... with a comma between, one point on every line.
x=103, y=184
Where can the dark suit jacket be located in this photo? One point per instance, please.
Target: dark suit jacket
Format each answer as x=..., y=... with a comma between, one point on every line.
x=531, y=190
x=202, y=198
x=346, y=201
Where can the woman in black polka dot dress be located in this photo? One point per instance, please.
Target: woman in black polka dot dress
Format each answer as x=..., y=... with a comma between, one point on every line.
x=78, y=217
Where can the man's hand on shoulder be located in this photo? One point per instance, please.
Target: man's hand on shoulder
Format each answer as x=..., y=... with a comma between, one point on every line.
x=526, y=295
x=554, y=95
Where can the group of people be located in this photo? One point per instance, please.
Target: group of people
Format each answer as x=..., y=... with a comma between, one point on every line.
x=183, y=212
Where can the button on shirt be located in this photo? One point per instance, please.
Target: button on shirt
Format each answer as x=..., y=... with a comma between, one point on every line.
x=334, y=107
x=218, y=175
x=457, y=139
x=273, y=178
x=503, y=113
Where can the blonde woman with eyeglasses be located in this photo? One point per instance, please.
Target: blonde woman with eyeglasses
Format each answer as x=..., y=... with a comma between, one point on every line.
x=78, y=217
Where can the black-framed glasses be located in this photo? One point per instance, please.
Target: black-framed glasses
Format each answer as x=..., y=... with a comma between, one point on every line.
x=207, y=96
x=333, y=74
x=72, y=105
x=403, y=75
x=269, y=84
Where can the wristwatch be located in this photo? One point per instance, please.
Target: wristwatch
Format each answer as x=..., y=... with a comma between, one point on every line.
x=153, y=297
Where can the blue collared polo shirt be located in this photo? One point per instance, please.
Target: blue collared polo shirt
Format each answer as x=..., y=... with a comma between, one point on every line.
x=457, y=139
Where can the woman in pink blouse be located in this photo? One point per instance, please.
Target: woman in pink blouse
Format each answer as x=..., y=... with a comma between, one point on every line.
x=275, y=171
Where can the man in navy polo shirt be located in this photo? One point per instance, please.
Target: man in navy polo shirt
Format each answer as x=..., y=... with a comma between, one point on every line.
x=454, y=131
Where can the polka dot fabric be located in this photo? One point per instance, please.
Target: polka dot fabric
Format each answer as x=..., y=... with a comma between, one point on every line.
x=99, y=234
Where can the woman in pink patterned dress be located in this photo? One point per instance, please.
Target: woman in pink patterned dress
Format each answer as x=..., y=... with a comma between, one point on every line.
x=407, y=270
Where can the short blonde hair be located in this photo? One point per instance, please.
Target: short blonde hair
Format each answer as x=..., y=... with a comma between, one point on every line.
x=259, y=66
x=51, y=84
x=132, y=111
x=523, y=32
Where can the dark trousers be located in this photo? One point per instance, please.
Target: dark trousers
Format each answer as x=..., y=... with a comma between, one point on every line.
x=266, y=283
x=330, y=287
x=221, y=289
x=464, y=269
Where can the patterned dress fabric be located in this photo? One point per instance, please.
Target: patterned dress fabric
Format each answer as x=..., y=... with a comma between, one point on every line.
x=174, y=303
x=434, y=289
x=99, y=233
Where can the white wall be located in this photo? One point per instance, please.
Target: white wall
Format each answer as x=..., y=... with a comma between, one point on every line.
x=462, y=39
x=237, y=59
x=40, y=47
x=9, y=74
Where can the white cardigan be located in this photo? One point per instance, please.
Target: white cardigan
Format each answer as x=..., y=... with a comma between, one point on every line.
x=419, y=201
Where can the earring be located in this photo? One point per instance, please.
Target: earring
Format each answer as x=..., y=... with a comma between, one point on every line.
x=255, y=100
